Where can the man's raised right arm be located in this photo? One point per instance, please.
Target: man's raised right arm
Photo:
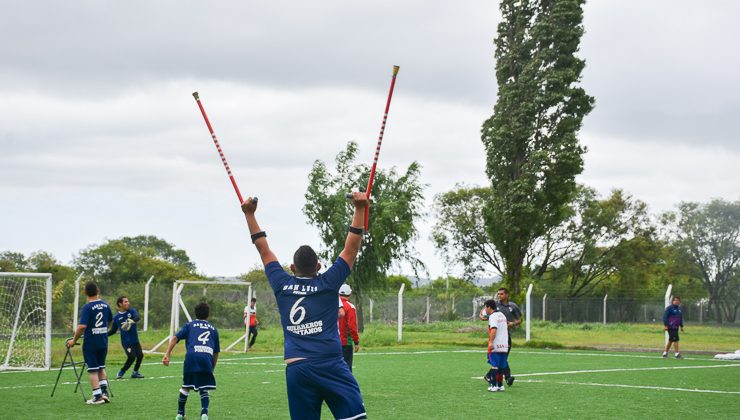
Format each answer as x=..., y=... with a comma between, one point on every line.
x=259, y=238
x=353, y=241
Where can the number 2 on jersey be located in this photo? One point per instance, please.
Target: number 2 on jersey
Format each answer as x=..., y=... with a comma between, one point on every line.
x=98, y=319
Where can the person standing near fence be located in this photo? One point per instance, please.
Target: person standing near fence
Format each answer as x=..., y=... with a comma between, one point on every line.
x=307, y=300
x=348, y=326
x=250, y=320
x=126, y=320
x=513, y=319
x=672, y=320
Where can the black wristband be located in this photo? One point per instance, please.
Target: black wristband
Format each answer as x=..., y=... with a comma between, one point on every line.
x=260, y=234
x=354, y=230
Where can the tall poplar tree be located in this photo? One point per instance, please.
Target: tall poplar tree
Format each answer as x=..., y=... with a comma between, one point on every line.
x=532, y=150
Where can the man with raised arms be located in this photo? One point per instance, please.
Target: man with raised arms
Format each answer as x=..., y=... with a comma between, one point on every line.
x=307, y=301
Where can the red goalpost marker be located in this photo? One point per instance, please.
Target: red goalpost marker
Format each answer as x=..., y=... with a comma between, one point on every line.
x=220, y=151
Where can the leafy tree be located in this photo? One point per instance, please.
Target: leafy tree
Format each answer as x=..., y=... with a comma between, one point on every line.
x=132, y=260
x=63, y=279
x=532, y=151
x=604, y=235
x=397, y=202
x=708, y=236
x=394, y=283
x=458, y=232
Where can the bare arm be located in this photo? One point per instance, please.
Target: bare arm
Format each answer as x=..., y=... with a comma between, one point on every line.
x=78, y=333
x=166, y=358
x=215, y=359
x=249, y=208
x=491, y=337
x=353, y=241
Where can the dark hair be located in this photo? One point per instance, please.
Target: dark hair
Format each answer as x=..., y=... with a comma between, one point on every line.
x=504, y=289
x=202, y=310
x=491, y=304
x=676, y=297
x=120, y=300
x=305, y=260
x=254, y=299
x=91, y=289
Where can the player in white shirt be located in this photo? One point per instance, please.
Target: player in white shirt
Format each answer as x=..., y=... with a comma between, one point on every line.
x=498, y=345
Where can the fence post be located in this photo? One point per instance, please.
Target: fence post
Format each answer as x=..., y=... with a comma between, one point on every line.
x=428, y=310
x=146, y=303
x=667, y=301
x=605, y=297
x=371, y=309
x=529, y=310
x=701, y=312
x=544, y=305
x=400, y=312
x=77, y=303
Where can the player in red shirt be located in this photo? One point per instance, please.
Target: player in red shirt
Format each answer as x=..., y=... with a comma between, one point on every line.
x=348, y=325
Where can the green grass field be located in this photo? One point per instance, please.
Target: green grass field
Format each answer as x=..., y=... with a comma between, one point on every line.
x=435, y=374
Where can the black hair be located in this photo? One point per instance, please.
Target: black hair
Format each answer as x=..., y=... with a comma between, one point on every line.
x=120, y=300
x=490, y=303
x=504, y=289
x=305, y=260
x=676, y=297
x=254, y=299
x=91, y=289
x=202, y=310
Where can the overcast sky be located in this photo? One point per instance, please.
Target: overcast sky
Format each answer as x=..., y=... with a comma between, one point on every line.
x=101, y=138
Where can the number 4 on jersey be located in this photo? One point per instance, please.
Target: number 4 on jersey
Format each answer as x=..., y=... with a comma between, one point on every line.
x=204, y=337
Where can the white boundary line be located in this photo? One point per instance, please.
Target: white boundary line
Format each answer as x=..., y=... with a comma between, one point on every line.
x=659, y=388
x=571, y=372
x=413, y=353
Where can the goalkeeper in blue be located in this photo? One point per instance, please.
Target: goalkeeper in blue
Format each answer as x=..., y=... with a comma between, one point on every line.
x=126, y=320
x=202, y=349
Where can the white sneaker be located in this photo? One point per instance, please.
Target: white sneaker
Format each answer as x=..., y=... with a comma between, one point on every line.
x=180, y=417
x=493, y=388
x=98, y=400
x=204, y=417
x=501, y=388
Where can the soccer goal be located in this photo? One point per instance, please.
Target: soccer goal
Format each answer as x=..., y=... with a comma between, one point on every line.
x=227, y=299
x=25, y=321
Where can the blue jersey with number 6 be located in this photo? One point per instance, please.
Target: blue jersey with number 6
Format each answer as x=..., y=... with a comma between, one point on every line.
x=96, y=315
x=309, y=310
x=201, y=341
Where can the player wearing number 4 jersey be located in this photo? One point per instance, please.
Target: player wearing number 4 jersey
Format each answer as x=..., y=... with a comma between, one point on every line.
x=316, y=371
x=203, y=347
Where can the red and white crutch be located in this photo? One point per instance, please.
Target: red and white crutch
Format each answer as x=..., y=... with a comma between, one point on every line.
x=369, y=189
x=220, y=151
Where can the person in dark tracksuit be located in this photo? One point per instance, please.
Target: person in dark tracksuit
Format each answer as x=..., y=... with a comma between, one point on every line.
x=672, y=321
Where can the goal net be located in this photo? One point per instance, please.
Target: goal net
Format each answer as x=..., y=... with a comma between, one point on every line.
x=25, y=321
x=227, y=299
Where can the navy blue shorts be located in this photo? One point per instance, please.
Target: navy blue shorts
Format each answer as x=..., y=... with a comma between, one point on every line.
x=95, y=358
x=498, y=360
x=313, y=381
x=672, y=335
x=198, y=380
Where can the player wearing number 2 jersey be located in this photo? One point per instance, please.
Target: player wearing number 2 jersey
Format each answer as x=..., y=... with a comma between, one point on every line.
x=94, y=322
x=203, y=347
x=316, y=371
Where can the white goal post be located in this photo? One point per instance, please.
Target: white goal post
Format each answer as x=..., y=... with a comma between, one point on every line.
x=25, y=321
x=178, y=305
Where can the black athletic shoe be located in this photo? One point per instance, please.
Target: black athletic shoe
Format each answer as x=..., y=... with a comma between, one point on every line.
x=136, y=375
x=487, y=378
x=510, y=380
